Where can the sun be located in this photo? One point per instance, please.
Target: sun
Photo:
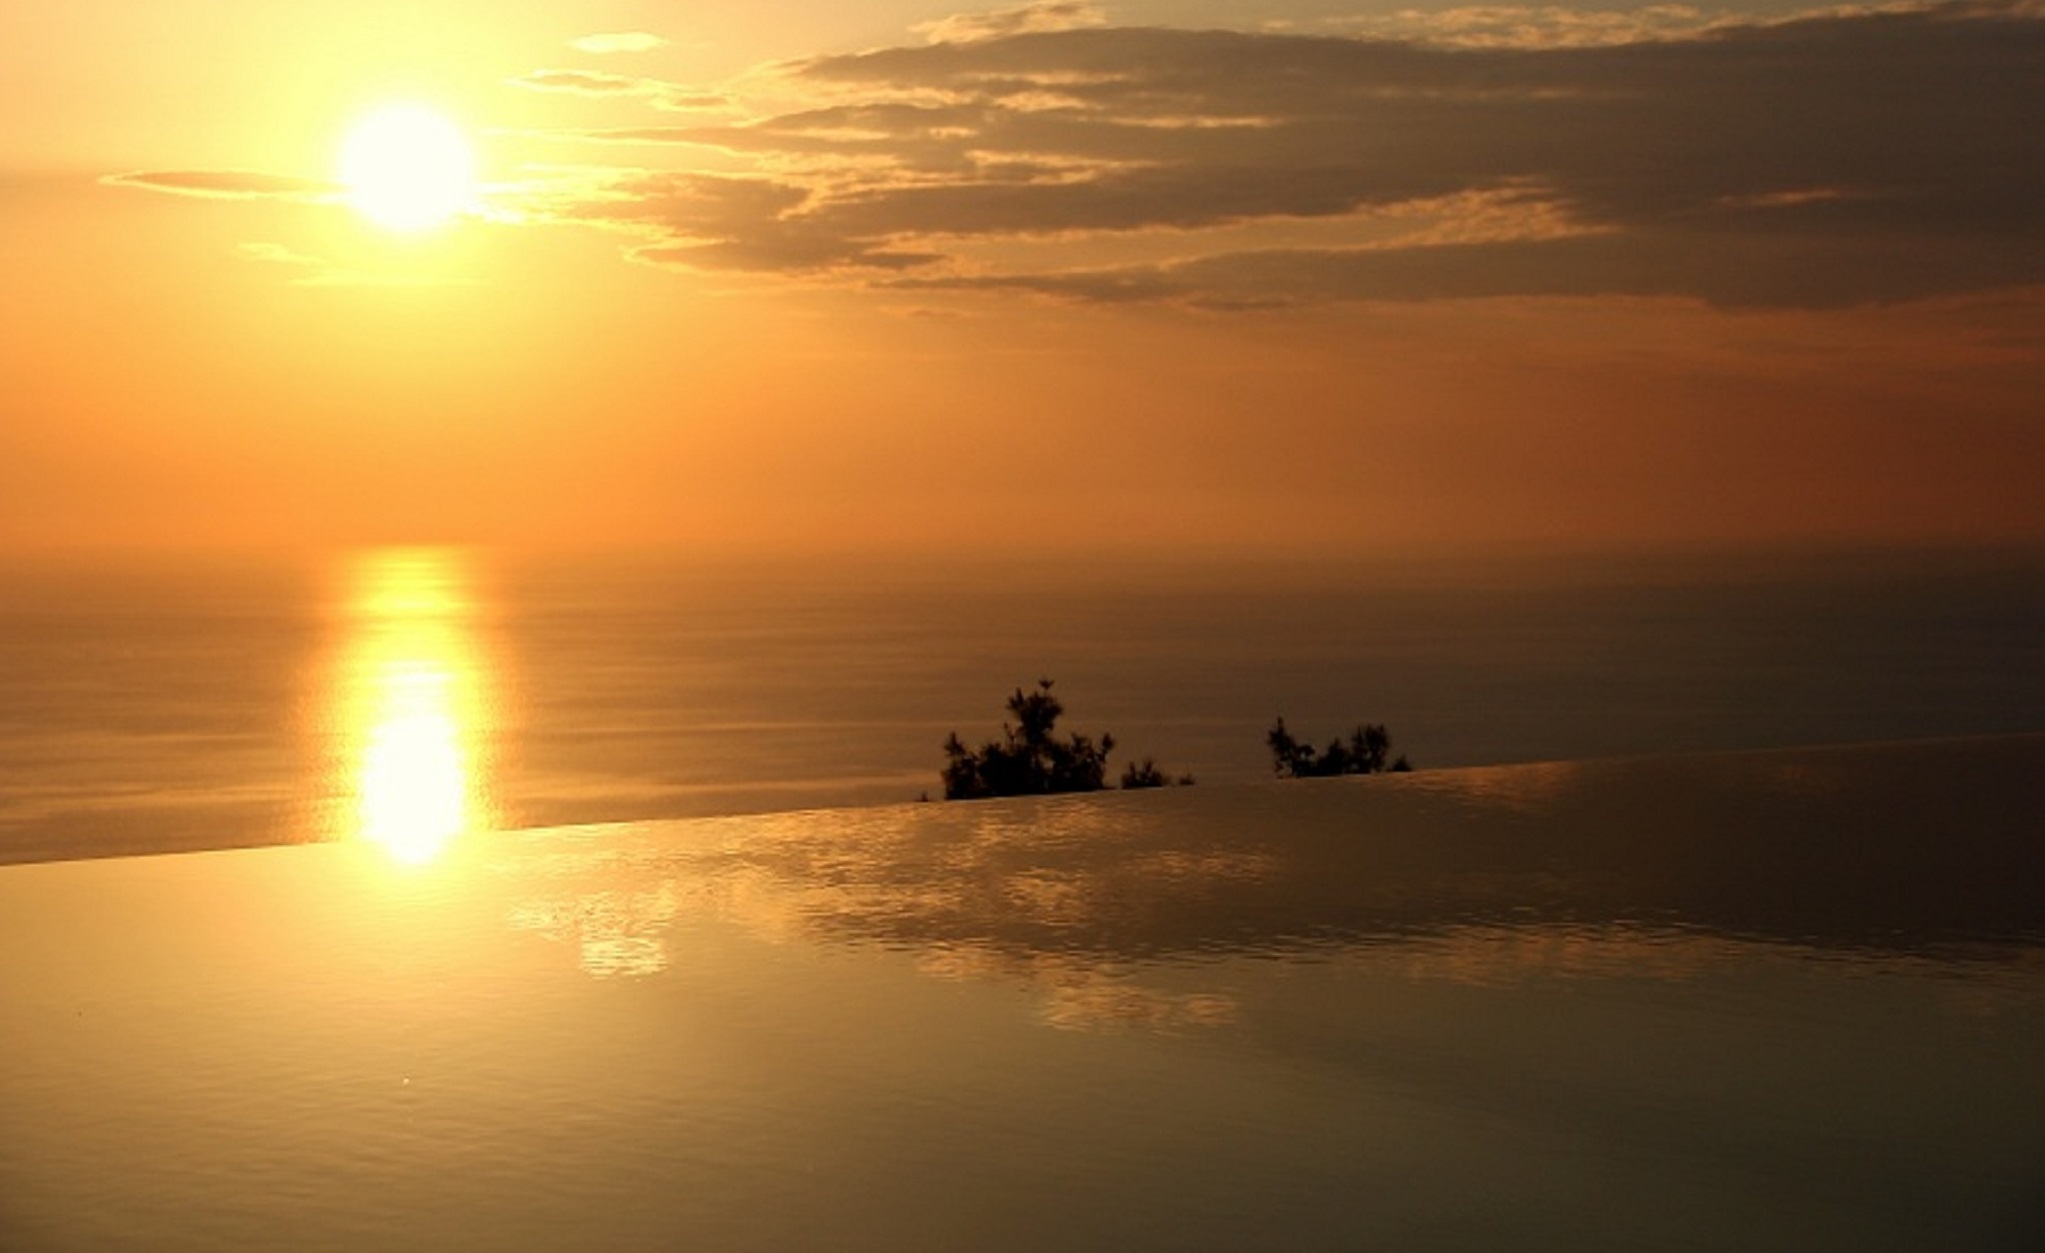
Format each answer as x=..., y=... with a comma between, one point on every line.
x=408, y=168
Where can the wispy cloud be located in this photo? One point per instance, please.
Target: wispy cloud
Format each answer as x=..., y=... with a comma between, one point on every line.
x=1848, y=156
x=1535, y=26
x=226, y=184
x=1052, y=15
x=663, y=95
x=310, y=271
x=716, y=222
x=619, y=41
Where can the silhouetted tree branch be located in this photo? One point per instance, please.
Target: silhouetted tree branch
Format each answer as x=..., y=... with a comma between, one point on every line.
x=1147, y=774
x=1365, y=753
x=1030, y=759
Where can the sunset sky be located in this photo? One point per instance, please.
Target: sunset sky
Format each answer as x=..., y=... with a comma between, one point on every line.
x=1168, y=275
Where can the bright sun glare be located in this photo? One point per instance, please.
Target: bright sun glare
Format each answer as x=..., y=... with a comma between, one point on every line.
x=408, y=168
x=414, y=704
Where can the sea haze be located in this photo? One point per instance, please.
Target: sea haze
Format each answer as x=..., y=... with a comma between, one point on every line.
x=186, y=704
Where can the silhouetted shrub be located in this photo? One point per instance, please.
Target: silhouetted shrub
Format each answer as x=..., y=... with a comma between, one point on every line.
x=1144, y=775
x=1364, y=754
x=1030, y=759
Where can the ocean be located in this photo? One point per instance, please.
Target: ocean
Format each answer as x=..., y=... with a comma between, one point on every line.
x=160, y=704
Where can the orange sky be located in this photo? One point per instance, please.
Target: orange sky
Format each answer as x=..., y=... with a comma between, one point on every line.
x=1196, y=276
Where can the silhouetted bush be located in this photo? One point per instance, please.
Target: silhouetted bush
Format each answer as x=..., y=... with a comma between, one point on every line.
x=1146, y=774
x=1364, y=754
x=1030, y=760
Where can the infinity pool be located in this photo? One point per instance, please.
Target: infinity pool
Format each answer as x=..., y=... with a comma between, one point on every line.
x=1789, y=1000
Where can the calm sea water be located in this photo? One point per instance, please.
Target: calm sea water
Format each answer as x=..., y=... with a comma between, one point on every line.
x=194, y=704
x=1791, y=1000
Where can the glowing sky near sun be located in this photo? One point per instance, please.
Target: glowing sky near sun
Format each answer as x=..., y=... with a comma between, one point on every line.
x=1150, y=276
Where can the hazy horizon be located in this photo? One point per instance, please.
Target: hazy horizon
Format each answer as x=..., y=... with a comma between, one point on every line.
x=161, y=703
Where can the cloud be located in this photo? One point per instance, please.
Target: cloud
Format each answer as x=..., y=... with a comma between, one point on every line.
x=718, y=222
x=1535, y=26
x=311, y=271
x=621, y=41
x=1842, y=157
x=226, y=185
x=1029, y=19
x=1750, y=273
x=662, y=95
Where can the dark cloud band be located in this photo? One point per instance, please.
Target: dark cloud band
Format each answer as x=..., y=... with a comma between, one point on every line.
x=1847, y=157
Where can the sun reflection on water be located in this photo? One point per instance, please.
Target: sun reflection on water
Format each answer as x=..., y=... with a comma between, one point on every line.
x=415, y=713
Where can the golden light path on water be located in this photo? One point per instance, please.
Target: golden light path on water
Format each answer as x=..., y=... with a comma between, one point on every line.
x=414, y=703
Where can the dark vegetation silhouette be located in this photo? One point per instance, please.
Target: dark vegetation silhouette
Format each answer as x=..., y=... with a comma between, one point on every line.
x=1146, y=774
x=1031, y=759
x=1365, y=753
